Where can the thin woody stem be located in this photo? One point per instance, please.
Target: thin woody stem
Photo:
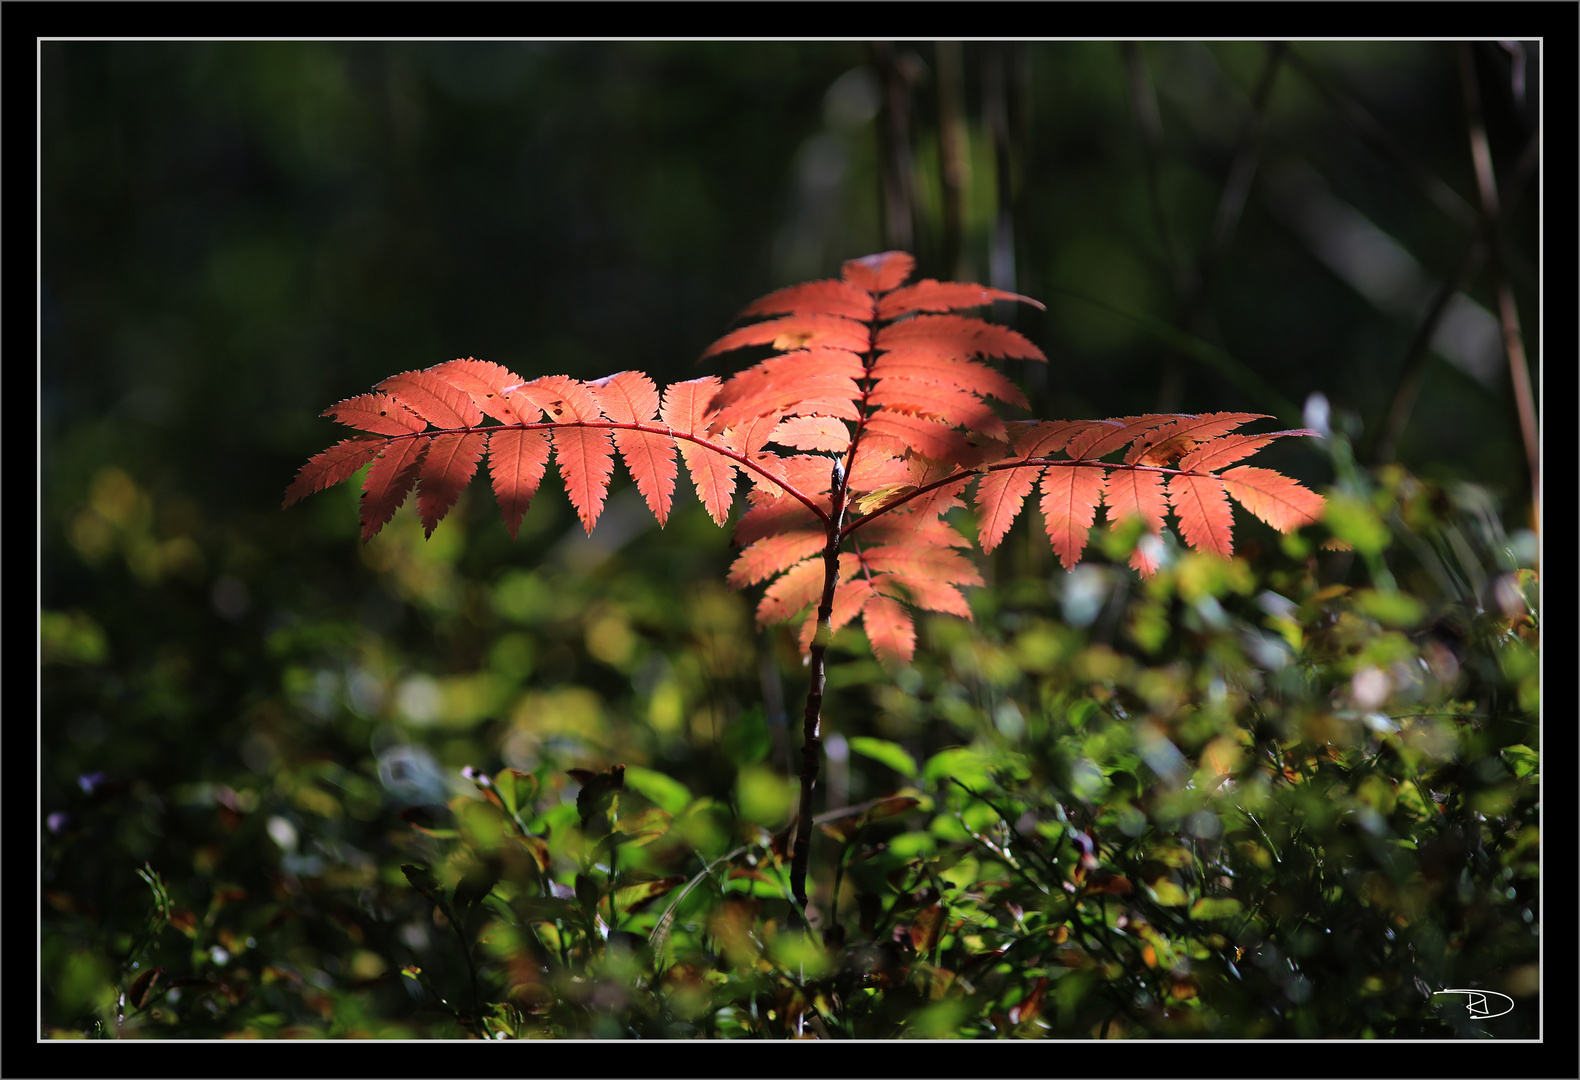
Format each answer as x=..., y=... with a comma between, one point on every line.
x=812, y=744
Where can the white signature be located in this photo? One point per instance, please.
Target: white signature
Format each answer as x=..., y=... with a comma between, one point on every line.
x=1478, y=1006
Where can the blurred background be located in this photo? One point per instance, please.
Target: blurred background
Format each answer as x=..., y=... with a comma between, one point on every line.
x=236, y=235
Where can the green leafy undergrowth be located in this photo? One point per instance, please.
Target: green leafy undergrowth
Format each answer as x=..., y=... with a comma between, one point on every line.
x=1291, y=799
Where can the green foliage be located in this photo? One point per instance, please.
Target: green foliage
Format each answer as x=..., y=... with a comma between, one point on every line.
x=1233, y=801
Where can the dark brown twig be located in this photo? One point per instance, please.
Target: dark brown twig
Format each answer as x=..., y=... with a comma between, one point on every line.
x=812, y=745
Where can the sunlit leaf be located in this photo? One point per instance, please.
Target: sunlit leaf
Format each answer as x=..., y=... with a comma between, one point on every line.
x=662, y=790
x=1215, y=907
x=633, y=897
x=881, y=750
x=1164, y=891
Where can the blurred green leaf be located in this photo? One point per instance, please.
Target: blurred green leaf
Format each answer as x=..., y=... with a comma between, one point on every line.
x=960, y=763
x=634, y=897
x=1523, y=760
x=745, y=739
x=1166, y=892
x=1356, y=521
x=482, y=825
x=1391, y=609
x=881, y=750
x=662, y=790
x=1215, y=908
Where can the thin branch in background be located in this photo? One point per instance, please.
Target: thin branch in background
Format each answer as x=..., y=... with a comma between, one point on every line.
x=774, y=700
x=1005, y=79
x=1516, y=52
x=1231, y=206
x=1017, y=94
x=894, y=149
x=1385, y=144
x=1263, y=393
x=1508, y=313
x=996, y=115
x=1144, y=110
x=1017, y=87
x=1237, y=185
x=1413, y=372
x=954, y=170
x=1520, y=175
